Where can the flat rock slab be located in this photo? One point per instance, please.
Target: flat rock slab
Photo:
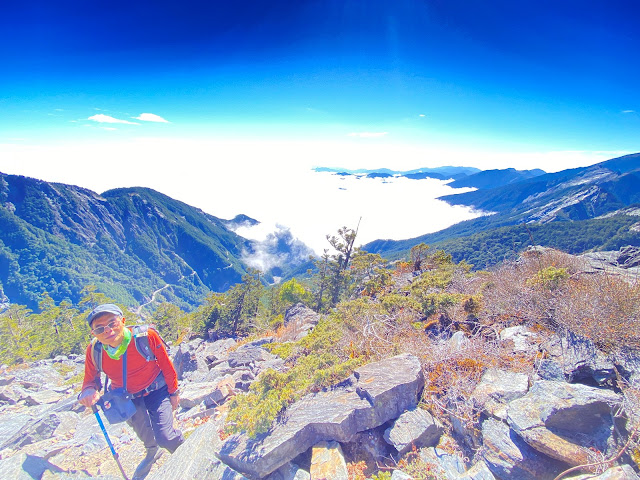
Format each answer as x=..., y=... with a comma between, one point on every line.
x=554, y=414
x=375, y=394
x=508, y=456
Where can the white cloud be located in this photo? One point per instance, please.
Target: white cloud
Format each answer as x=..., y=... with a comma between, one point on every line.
x=422, y=115
x=628, y=111
x=279, y=174
x=102, y=118
x=151, y=117
x=368, y=134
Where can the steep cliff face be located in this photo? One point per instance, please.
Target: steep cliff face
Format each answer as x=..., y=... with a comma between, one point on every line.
x=129, y=242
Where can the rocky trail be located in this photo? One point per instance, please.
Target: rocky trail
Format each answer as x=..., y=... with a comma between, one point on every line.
x=533, y=426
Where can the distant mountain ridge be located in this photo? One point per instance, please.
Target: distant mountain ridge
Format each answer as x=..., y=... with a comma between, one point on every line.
x=584, y=198
x=495, y=178
x=461, y=176
x=440, y=173
x=129, y=242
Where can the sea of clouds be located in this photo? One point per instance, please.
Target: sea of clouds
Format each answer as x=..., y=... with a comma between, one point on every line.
x=272, y=182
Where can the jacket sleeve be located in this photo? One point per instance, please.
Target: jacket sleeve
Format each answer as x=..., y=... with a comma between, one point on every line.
x=91, y=374
x=164, y=362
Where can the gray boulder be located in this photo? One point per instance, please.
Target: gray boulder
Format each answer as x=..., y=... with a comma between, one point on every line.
x=187, y=360
x=451, y=466
x=209, y=393
x=414, y=427
x=564, y=420
x=43, y=397
x=10, y=426
x=249, y=355
x=195, y=459
x=375, y=394
x=497, y=388
x=628, y=364
x=300, y=320
x=12, y=394
x=40, y=424
x=458, y=341
x=509, y=457
x=580, y=359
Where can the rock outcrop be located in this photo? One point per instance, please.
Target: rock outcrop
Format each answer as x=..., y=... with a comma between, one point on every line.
x=564, y=421
x=375, y=394
x=529, y=426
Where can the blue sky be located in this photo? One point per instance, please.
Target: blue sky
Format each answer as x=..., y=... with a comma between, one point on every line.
x=287, y=84
x=500, y=74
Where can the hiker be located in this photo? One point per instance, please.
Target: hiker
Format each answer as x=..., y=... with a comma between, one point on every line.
x=152, y=381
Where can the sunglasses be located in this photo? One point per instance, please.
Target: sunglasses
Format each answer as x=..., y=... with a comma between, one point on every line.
x=111, y=325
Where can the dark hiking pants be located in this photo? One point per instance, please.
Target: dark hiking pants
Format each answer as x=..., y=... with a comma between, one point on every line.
x=153, y=421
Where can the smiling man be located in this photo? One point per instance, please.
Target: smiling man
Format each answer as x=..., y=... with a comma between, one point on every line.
x=153, y=383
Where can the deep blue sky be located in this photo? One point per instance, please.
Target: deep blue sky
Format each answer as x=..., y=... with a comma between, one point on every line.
x=509, y=78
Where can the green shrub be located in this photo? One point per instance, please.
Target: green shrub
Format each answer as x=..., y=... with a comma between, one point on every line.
x=255, y=411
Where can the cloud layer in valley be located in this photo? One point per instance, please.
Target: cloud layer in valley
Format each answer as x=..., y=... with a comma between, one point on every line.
x=273, y=181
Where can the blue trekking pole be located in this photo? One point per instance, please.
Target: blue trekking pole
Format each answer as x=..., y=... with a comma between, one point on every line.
x=106, y=436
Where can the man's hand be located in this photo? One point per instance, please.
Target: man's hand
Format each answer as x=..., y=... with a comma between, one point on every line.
x=88, y=397
x=175, y=401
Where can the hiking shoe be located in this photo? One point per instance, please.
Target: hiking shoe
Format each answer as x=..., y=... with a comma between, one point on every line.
x=153, y=454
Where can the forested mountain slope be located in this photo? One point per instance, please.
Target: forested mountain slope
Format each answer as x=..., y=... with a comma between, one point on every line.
x=128, y=242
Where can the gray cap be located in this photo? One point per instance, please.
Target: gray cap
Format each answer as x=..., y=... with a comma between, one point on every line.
x=104, y=308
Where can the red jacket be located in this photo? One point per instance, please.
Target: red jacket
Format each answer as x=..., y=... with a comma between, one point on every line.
x=140, y=373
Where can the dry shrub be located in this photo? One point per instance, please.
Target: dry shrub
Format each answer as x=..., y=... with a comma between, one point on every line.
x=519, y=293
x=450, y=378
x=356, y=471
x=371, y=331
x=603, y=308
x=551, y=289
x=288, y=332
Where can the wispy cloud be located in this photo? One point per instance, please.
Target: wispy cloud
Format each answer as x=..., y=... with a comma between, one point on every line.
x=151, y=117
x=102, y=118
x=628, y=111
x=368, y=134
x=422, y=115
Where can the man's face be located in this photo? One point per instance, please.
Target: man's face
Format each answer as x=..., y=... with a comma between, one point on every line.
x=110, y=328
